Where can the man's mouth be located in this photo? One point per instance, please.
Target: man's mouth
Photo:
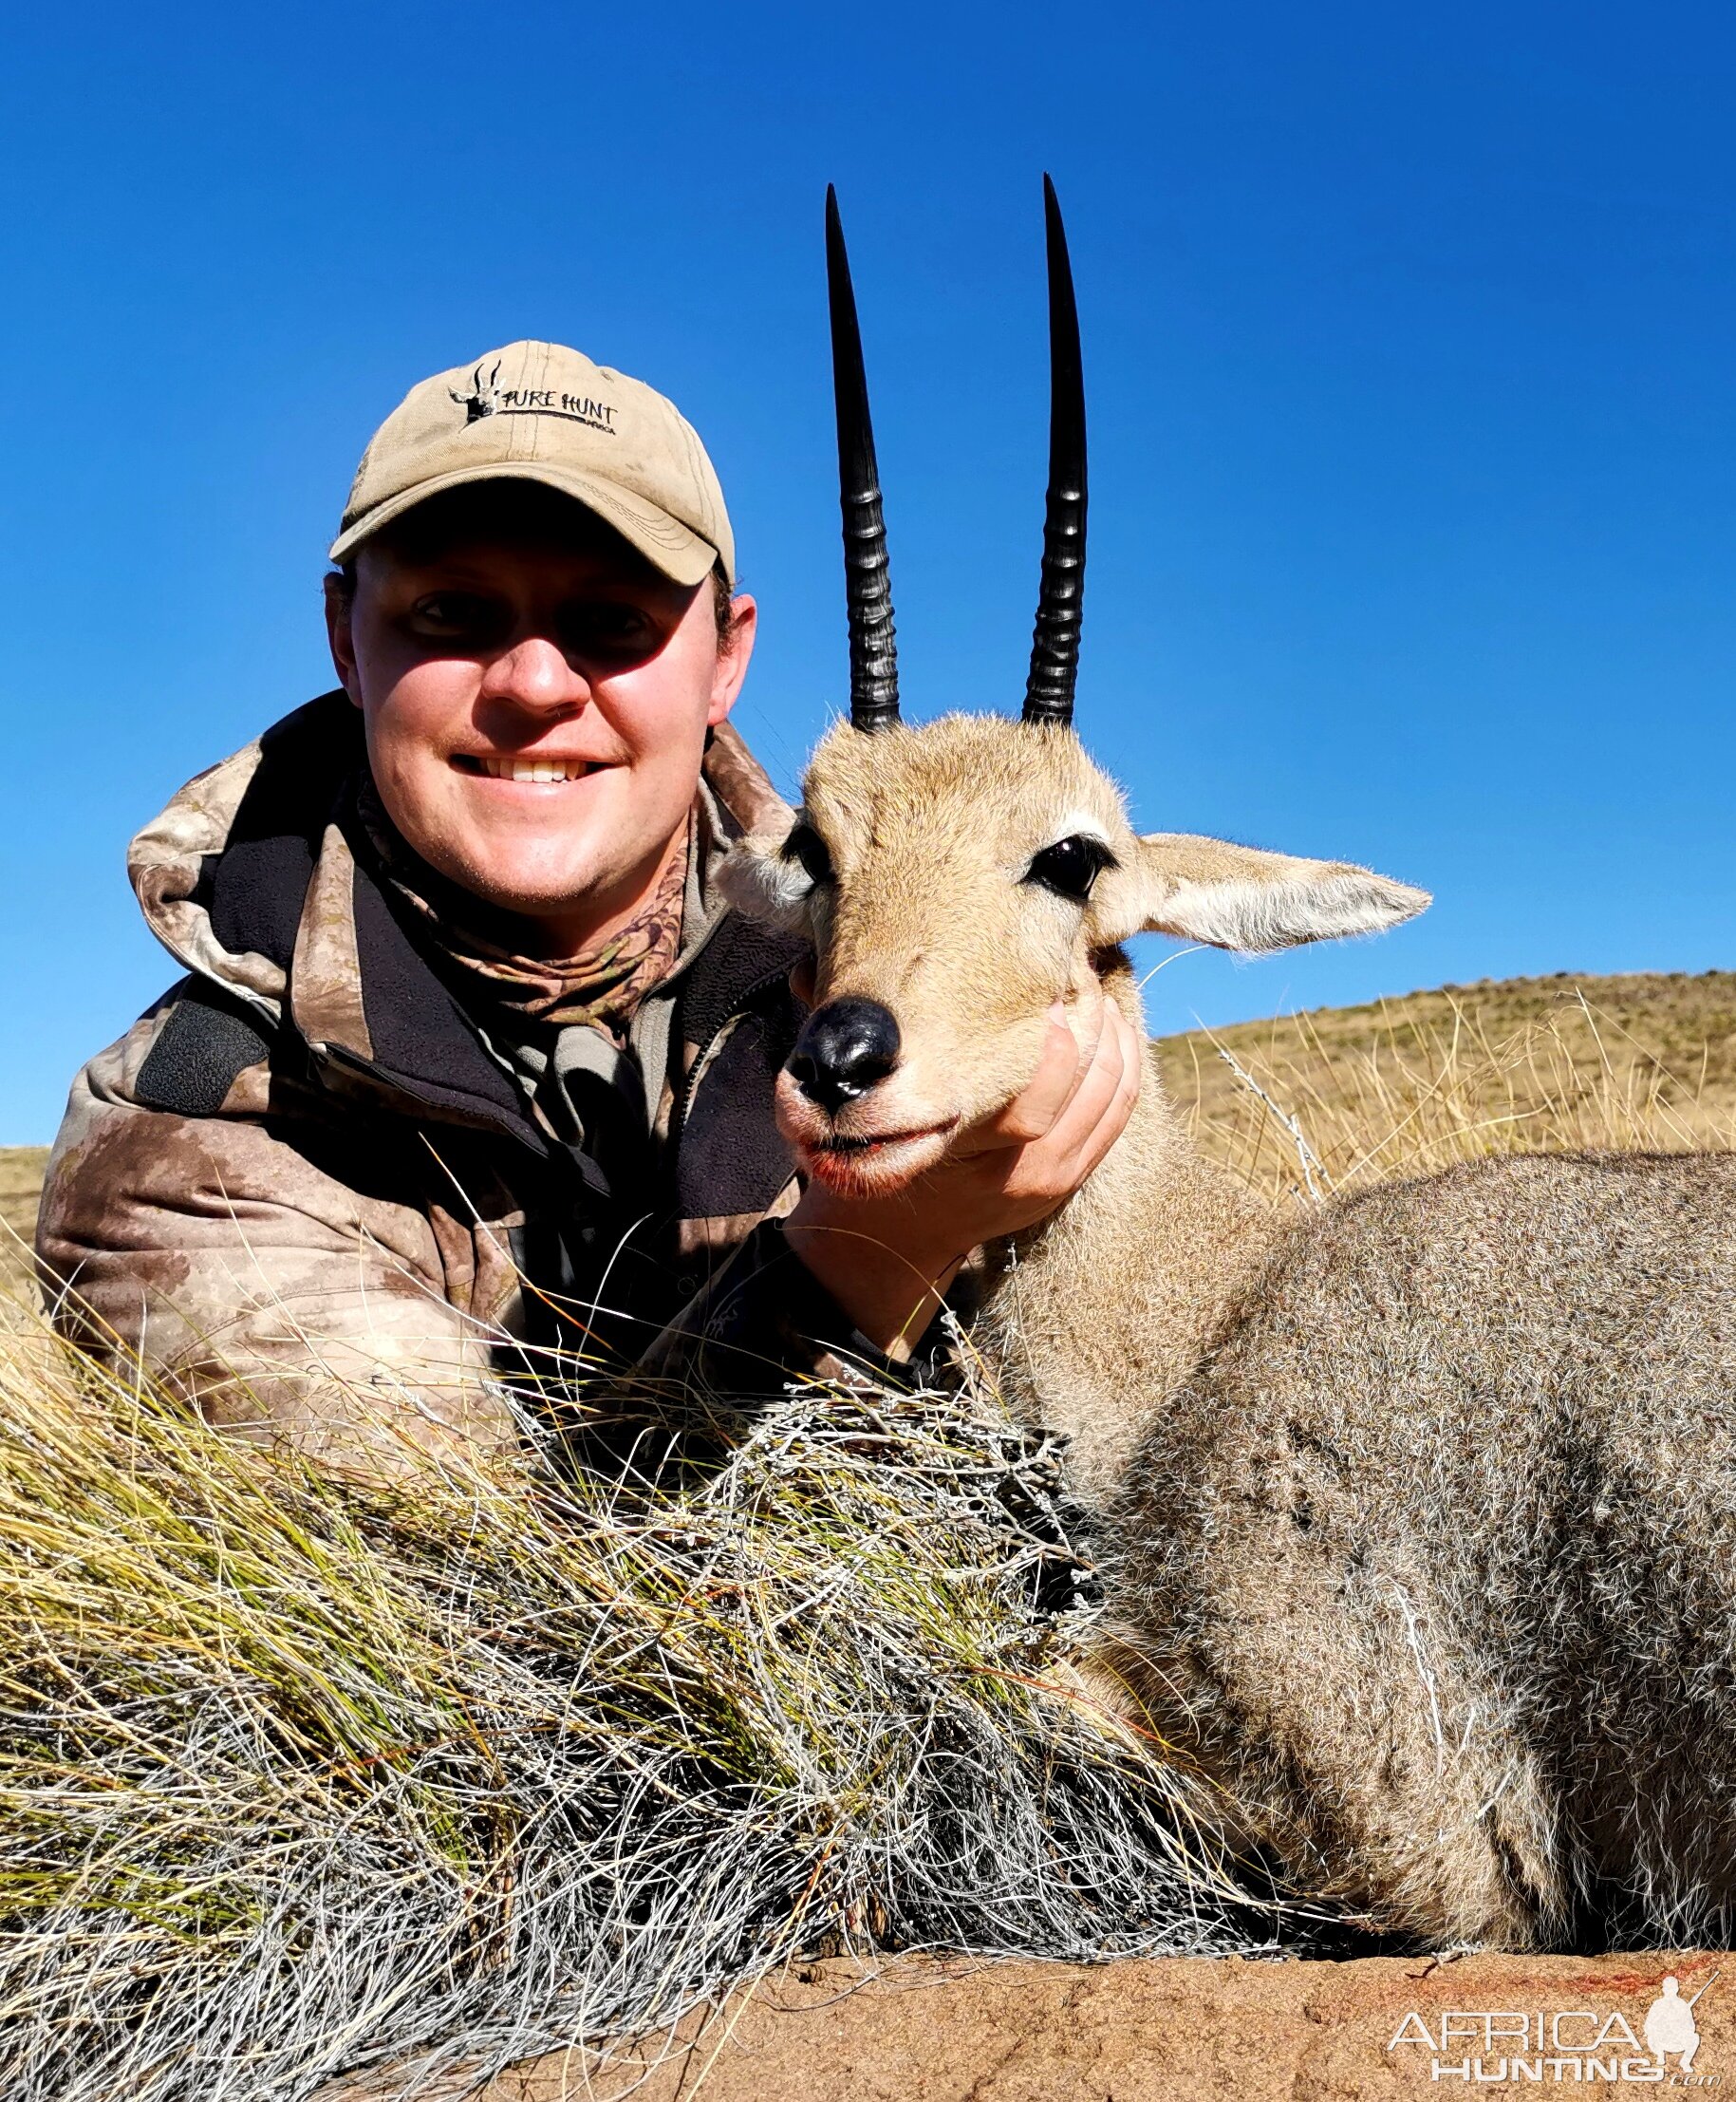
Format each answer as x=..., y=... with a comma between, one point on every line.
x=508, y=767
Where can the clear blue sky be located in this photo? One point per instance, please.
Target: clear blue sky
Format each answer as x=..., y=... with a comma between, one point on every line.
x=1411, y=340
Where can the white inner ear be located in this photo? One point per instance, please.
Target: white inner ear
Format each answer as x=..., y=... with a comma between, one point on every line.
x=765, y=886
x=1261, y=916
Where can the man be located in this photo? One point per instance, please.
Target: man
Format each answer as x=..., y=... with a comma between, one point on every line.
x=469, y=1072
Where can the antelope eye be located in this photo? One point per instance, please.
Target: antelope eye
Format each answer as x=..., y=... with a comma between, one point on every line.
x=1070, y=865
x=808, y=850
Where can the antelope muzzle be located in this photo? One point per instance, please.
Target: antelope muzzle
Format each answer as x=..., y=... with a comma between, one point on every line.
x=846, y=1047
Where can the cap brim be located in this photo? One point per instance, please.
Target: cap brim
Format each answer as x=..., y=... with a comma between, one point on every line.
x=670, y=547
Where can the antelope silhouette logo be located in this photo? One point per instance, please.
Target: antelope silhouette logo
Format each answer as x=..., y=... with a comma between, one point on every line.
x=480, y=402
x=489, y=398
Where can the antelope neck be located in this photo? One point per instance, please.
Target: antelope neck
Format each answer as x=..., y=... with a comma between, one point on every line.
x=1154, y=1209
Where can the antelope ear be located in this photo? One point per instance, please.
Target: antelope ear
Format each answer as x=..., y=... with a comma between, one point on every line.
x=1241, y=897
x=763, y=884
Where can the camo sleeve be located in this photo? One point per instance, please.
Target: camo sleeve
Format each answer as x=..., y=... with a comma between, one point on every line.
x=283, y=1303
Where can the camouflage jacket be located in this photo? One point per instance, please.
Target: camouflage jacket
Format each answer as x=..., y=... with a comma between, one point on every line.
x=306, y=1191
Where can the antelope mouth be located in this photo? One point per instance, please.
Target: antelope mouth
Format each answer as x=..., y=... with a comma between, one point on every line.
x=860, y=1165
x=842, y=1142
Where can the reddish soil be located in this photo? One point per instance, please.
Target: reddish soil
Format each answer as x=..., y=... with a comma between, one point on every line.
x=1172, y=2031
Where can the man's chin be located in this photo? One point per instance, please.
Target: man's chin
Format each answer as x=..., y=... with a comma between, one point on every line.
x=535, y=886
x=558, y=892
x=858, y=1168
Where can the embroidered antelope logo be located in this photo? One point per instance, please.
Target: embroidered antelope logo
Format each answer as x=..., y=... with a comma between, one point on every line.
x=480, y=402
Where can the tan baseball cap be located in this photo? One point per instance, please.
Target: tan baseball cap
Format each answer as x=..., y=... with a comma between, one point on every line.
x=539, y=412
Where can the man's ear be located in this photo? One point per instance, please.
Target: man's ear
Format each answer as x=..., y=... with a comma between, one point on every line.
x=731, y=664
x=1243, y=898
x=338, y=636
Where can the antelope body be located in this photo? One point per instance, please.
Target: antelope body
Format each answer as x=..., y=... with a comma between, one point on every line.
x=1420, y=1507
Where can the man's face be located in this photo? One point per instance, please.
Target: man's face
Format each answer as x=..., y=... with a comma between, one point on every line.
x=537, y=699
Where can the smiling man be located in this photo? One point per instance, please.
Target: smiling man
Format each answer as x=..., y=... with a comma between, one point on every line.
x=469, y=1085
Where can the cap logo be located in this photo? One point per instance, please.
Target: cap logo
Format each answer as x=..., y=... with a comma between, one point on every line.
x=486, y=398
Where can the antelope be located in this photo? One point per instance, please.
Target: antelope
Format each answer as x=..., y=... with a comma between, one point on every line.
x=1419, y=1508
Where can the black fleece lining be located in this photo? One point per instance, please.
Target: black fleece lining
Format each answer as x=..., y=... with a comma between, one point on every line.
x=200, y=1052
x=254, y=890
x=732, y=1159
x=418, y=1030
x=741, y=959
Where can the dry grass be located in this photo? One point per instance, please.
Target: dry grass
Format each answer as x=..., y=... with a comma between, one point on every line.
x=298, y=1779
x=21, y=1171
x=1350, y=1095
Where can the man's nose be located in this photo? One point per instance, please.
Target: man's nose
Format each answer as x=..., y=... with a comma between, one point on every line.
x=844, y=1047
x=535, y=674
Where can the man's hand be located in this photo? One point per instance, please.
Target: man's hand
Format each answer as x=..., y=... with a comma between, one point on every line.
x=887, y=1260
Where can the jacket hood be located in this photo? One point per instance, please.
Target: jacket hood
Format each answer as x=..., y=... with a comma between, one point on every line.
x=222, y=875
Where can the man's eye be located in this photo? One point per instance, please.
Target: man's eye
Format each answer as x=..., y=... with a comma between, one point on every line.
x=602, y=626
x=1070, y=865
x=808, y=850
x=455, y=615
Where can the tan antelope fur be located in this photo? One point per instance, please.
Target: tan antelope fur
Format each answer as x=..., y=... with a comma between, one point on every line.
x=1418, y=1511
x=1420, y=1505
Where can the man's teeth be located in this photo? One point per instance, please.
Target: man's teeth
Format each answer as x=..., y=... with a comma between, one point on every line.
x=535, y=770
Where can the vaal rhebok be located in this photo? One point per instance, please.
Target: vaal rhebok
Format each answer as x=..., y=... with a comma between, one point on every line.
x=1419, y=1505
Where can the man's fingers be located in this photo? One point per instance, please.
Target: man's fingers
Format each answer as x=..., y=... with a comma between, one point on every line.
x=1090, y=1020
x=1092, y=1096
x=1059, y=1073
x=1031, y=1113
x=1097, y=1113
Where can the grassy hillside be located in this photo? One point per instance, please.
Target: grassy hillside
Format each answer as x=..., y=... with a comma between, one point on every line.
x=21, y=1170
x=1348, y=1095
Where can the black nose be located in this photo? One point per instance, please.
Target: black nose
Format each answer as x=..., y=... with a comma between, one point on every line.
x=844, y=1048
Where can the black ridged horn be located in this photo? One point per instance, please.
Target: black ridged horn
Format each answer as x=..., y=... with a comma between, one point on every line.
x=1055, y=648
x=873, y=652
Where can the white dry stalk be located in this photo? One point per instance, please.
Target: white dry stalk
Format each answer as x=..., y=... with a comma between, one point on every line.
x=1413, y=1636
x=1304, y=1152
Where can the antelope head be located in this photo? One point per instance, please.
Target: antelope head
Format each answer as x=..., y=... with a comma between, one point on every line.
x=959, y=878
